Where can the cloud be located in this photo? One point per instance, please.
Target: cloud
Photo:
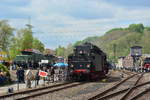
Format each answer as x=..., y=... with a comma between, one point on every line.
x=130, y=4
x=63, y=22
x=13, y=3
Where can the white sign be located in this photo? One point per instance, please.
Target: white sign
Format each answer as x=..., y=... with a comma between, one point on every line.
x=44, y=61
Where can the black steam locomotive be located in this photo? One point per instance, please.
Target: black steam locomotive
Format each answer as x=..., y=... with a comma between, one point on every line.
x=87, y=62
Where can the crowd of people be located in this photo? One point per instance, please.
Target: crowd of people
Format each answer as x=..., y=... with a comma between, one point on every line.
x=54, y=74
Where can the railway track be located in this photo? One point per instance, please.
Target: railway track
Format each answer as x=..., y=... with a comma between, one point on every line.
x=131, y=88
x=36, y=94
x=115, y=91
x=146, y=91
x=128, y=72
x=37, y=91
x=125, y=90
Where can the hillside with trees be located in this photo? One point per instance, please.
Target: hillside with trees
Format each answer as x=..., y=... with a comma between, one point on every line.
x=118, y=41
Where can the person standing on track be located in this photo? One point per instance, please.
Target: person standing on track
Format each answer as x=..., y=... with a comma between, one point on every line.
x=29, y=77
x=56, y=74
x=37, y=77
x=45, y=70
x=52, y=72
x=18, y=73
x=22, y=75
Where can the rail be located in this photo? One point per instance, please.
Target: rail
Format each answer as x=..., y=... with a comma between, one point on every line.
x=131, y=89
x=48, y=91
x=30, y=90
x=122, y=91
x=140, y=94
x=112, y=88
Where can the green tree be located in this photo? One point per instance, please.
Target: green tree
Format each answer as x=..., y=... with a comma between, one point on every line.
x=15, y=47
x=27, y=38
x=16, y=44
x=60, y=51
x=37, y=44
x=77, y=43
x=145, y=42
x=68, y=50
x=136, y=28
x=6, y=33
x=24, y=40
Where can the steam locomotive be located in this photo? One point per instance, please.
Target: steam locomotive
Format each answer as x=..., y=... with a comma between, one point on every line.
x=87, y=62
x=33, y=58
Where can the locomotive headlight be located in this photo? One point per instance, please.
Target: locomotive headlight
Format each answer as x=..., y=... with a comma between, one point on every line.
x=88, y=66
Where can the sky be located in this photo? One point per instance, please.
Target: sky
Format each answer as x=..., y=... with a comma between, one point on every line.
x=62, y=22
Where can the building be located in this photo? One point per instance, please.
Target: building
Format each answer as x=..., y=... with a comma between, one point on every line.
x=120, y=62
x=125, y=62
x=3, y=56
x=134, y=59
x=128, y=61
x=146, y=55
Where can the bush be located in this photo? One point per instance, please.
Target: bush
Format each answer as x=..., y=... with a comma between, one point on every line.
x=136, y=28
x=4, y=79
x=4, y=69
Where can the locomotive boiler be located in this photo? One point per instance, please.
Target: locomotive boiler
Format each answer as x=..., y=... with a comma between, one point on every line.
x=87, y=62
